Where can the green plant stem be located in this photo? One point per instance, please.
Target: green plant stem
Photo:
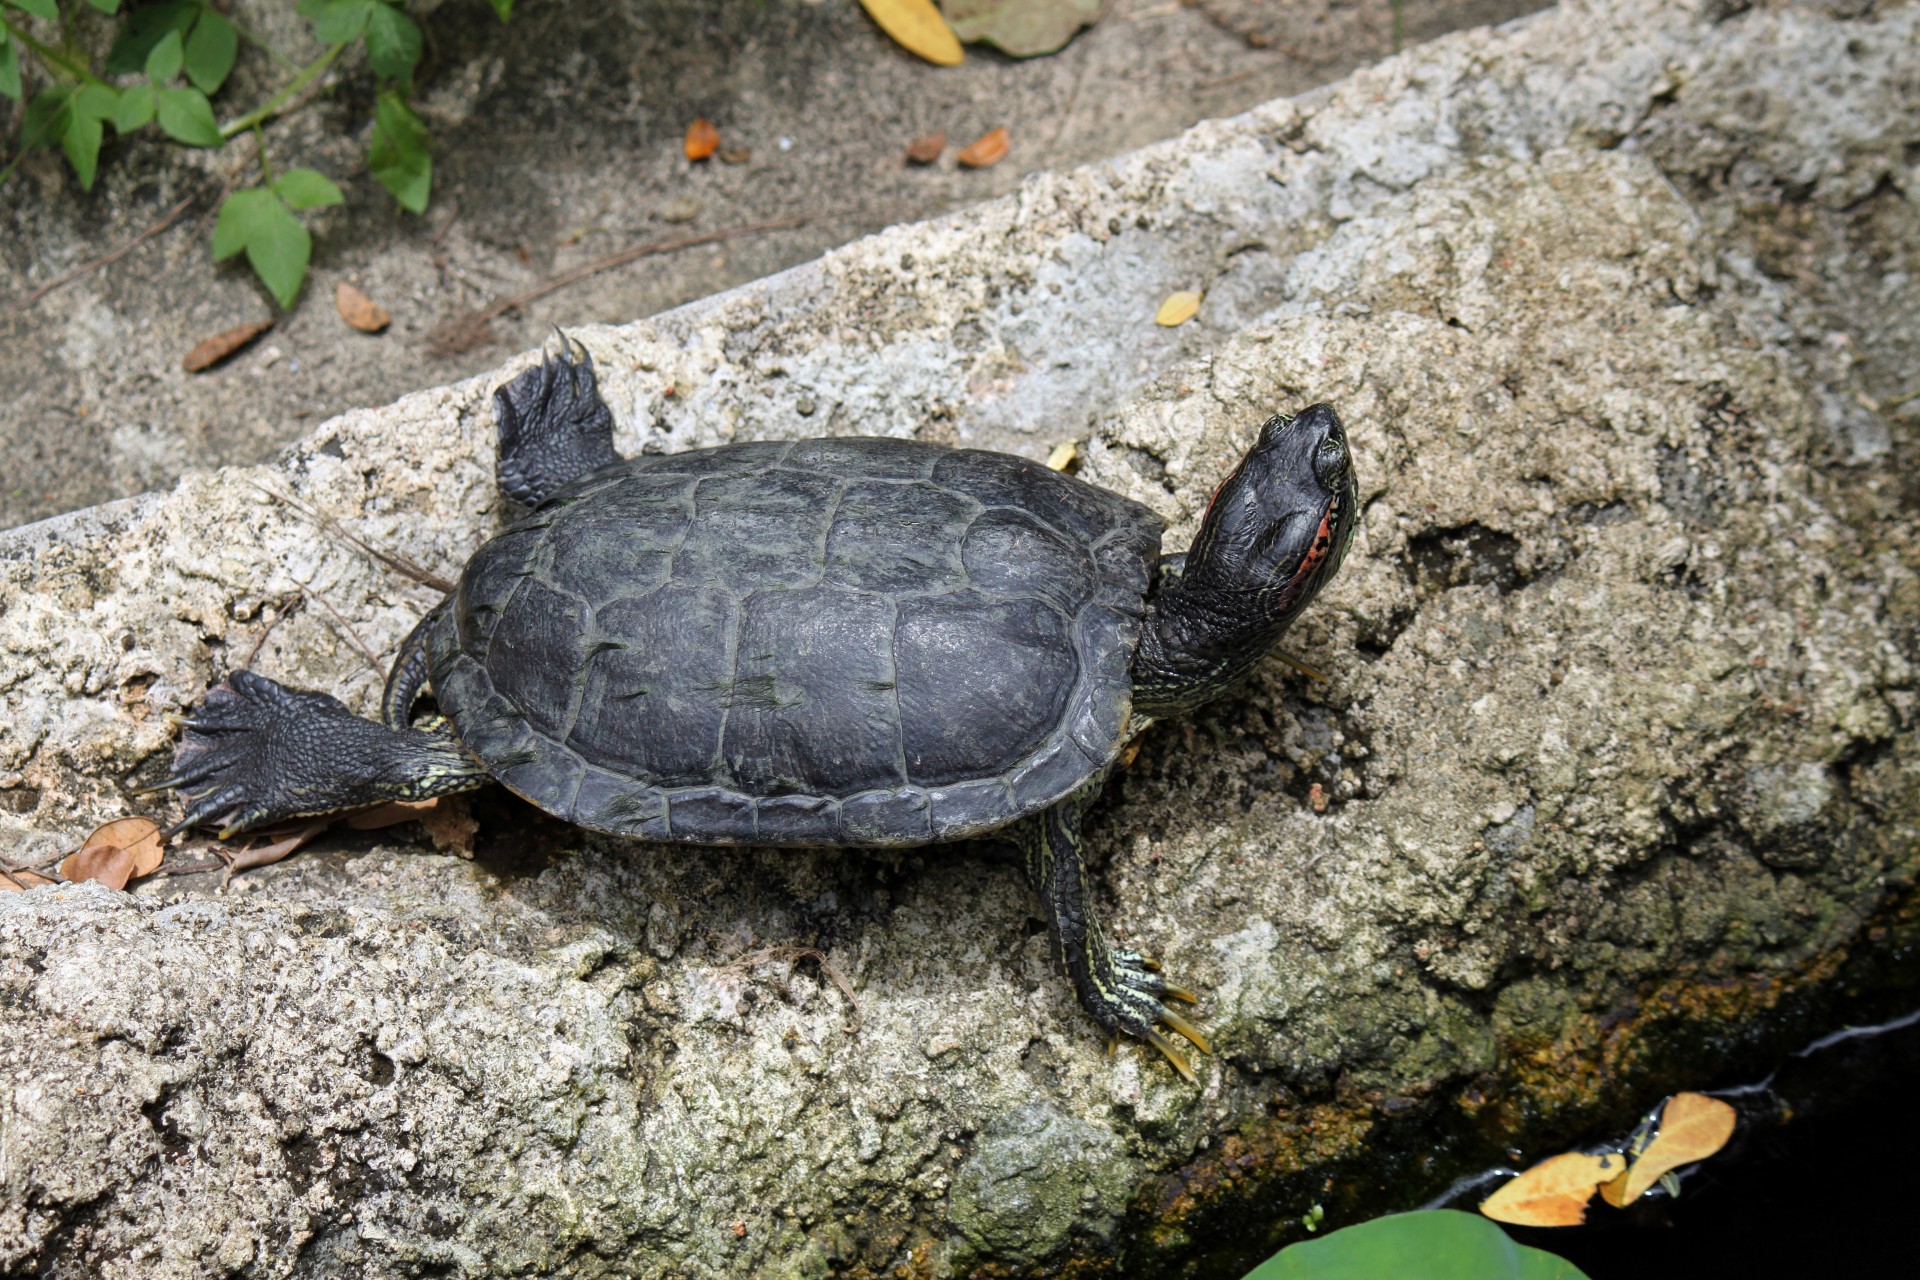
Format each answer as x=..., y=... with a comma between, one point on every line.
x=271, y=107
x=262, y=45
x=51, y=56
x=260, y=144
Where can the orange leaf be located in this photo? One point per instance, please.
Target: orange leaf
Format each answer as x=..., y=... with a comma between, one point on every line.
x=1692, y=1127
x=917, y=27
x=986, y=150
x=1554, y=1193
x=266, y=855
x=116, y=852
x=926, y=150
x=703, y=139
x=221, y=345
x=358, y=310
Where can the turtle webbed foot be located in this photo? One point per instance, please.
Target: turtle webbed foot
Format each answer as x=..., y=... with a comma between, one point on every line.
x=554, y=427
x=1132, y=997
x=240, y=761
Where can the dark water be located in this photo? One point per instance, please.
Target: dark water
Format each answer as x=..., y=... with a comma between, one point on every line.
x=1821, y=1180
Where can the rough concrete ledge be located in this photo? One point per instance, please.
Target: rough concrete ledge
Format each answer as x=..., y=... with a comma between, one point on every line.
x=1614, y=778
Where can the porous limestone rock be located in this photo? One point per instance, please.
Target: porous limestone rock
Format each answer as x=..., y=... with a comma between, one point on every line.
x=1612, y=782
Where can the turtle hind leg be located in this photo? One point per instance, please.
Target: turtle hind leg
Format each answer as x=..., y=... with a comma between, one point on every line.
x=1123, y=990
x=554, y=427
x=257, y=752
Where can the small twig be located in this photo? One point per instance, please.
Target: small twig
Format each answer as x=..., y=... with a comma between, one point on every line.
x=398, y=563
x=372, y=662
x=172, y=216
x=282, y=610
x=466, y=330
x=446, y=226
x=186, y=868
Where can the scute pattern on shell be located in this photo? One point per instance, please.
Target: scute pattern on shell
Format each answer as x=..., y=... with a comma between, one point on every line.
x=852, y=641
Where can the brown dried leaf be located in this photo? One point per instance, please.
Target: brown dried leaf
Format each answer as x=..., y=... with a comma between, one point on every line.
x=106, y=864
x=1177, y=308
x=926, y=150
x=1554, y=1193
x=703, y=139
x=23, y=878
x=451, y=826
x=266, y=855
x=391, y=814
x=358, y=310
x=221, y=345
x=987, y=150
x=1692, y=1127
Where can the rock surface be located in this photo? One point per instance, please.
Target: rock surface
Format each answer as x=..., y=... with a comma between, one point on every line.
x=1613, y=780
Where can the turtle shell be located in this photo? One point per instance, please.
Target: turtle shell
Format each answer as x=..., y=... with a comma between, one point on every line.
x=843, y=641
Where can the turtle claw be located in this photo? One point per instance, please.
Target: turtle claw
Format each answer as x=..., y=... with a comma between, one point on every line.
x=1171, y=1019
x=1174, y=1056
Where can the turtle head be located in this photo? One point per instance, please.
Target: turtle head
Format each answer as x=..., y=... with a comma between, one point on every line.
x=1273, y=535
x=1281, y=522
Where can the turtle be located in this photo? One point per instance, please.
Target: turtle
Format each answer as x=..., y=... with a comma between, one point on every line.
x=842, y=641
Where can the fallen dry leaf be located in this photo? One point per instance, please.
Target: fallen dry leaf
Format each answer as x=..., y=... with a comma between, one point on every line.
x=1023, y=28
x=116, y=852
x=391, y=814
x=451, y=826
x=917, y=27
x=1178, y=308
x=1554, y=1193
x=703, y=139
x=358, y=310
x=1692, y=1127
x=1063, y=455
x=213, y=350
x=925, y=150
x=245, y=859
x=21, y=879
x=739, y=156
x=987, y=150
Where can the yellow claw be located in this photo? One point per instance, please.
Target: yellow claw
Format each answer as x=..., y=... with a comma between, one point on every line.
x=1179, y=1062
x=1186, y=1029
x=1179, y=993
x=1311, y=672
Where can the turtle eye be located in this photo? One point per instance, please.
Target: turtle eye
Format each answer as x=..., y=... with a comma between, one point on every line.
x=1330, y=462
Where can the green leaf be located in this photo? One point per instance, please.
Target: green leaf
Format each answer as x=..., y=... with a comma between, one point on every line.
x=96, y=101
x=106, y=6
x=307, y=189
x=337, y=21
x=142, y=29
x=38, y=8
x=393, y=44
x=46, y=117
x=502, y=8
x=1439, y=1244
x=9, y=68
x=210, y=51
x=278, y=251
x=239, y=213
x=163, y=60
x=136, y=108
x=277, y=246
x=186, y=115
x=81, y=142
x=398, y=153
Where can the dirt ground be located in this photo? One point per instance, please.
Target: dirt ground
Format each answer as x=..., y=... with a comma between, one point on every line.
x=558, y=142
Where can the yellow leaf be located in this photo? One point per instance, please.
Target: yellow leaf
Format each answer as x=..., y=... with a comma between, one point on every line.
x=917, y=26
x=1692, y=1127
x=1554, y=1193
x=1063, y=455
x=1178, y=308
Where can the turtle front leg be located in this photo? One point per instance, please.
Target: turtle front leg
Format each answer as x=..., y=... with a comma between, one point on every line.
x=554, y=427
x=1123, y=990
x=257, y=752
